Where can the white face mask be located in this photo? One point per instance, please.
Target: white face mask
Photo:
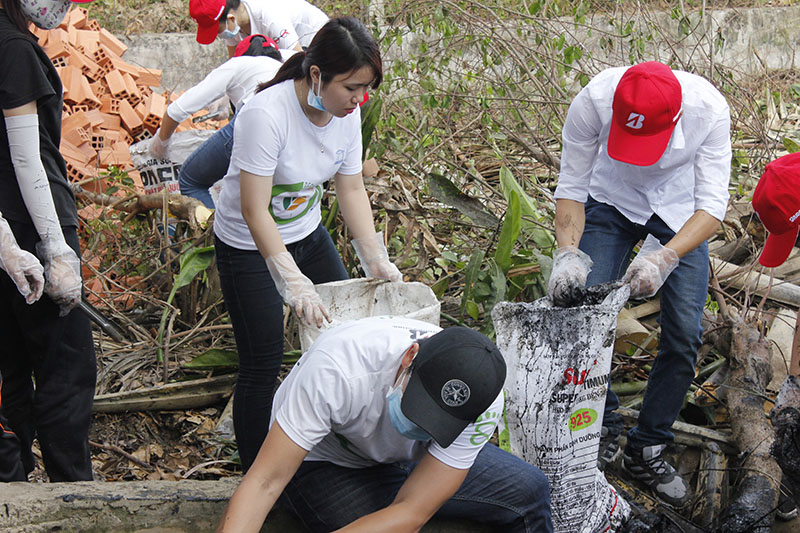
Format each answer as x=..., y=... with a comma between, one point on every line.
x=46, y=14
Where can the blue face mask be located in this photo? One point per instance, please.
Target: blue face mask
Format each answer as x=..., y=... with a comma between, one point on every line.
x=230, y=34
x=315, y=100
x=401, y=424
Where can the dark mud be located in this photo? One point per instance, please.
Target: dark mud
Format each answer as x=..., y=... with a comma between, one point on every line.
x=582, y=296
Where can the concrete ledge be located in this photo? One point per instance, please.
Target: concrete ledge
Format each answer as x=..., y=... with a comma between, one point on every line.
x=159, y=506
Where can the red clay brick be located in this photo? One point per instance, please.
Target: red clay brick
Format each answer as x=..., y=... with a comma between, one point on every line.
x=130, y=119
x=134, y=96
x=149, y=77
x=70, y=151
x=116, y=84
x=109, y=104
x=156, y=106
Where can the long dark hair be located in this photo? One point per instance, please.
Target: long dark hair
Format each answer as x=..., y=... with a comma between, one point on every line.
x=342, y=45
x=13, y=9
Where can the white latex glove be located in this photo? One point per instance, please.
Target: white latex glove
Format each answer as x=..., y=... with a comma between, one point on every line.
x=62, y=272
x=650, y=268
x=158, y=146
x=297, y=290
x=220, y=107
x=22, y=266
x=375, y=259
x=570, y=268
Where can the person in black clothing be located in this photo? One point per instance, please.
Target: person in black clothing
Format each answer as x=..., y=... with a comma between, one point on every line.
x=47, y=359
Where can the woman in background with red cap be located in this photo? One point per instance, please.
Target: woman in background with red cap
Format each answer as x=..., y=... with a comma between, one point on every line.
x=47, y=360
x=256, y=60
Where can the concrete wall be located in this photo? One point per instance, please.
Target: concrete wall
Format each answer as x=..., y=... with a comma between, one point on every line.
x=183, y=60
x=746, y=40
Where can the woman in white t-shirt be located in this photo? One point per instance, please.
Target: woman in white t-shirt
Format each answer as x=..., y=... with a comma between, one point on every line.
x=300, y=130
x=256, y=60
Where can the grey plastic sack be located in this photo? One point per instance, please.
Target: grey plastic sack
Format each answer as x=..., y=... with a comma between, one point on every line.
x=559, y=360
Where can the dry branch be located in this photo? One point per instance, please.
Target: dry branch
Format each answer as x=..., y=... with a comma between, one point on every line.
x=742, y=278
x=185, y=395
x=182, y=207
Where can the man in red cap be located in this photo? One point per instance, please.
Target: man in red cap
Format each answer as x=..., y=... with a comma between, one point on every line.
x=776, y=200
x=646, y=155
x=292, y=23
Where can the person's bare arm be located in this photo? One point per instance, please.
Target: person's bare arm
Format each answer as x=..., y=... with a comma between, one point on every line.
x=231, y=50
x=276, y=463
x=167, y=128
x=428, y=487
x=569, y=222
x=699, y=228
x=354, y=202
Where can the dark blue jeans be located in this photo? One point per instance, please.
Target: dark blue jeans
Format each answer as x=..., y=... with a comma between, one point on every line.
x=206, y=165
x=256, y=311
x=608, y=239
x=500, y=490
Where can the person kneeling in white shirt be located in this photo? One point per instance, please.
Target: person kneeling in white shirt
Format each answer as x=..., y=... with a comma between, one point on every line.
x=382, y=424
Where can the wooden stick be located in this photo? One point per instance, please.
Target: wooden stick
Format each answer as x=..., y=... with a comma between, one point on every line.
x=120, y=451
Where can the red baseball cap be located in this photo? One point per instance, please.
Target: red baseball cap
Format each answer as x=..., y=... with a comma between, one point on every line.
x=777, y=202
x=646, y=108
x=244, y=44
x=206, y=13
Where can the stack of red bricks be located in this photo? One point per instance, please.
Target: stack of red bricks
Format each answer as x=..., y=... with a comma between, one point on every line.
x=108, y=104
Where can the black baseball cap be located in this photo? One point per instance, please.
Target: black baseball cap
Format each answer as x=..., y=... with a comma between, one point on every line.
x=455, y=377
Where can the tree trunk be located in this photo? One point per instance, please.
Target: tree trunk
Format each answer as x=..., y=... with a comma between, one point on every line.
x=786, y=421
x=756, y=495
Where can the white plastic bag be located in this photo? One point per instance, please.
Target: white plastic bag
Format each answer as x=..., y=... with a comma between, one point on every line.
x=159, y=174
x=558, y=361
x=359, y=298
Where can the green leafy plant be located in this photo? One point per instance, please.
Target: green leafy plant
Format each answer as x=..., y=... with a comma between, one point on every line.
x=193, y=261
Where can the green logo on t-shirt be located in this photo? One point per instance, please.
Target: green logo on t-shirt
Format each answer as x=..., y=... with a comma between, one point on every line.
x=286, y=205
x=484, y=427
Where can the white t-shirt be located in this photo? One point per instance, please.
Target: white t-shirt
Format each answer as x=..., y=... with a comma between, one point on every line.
x=237, y=78
x=273, y=137
x=333, y=402
x=692, y=174
x=286, y=21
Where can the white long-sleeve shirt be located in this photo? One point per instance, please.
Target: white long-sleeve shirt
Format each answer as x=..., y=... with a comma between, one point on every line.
x=237, y=78
x=287, y=22
x=693, y=173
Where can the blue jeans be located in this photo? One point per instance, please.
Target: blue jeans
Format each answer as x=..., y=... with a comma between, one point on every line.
x=609, y=239
x=206, y=165
x=500, y=490
x=256, y=312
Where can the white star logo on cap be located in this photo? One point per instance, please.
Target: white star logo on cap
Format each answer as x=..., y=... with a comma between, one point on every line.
x=455, y=393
